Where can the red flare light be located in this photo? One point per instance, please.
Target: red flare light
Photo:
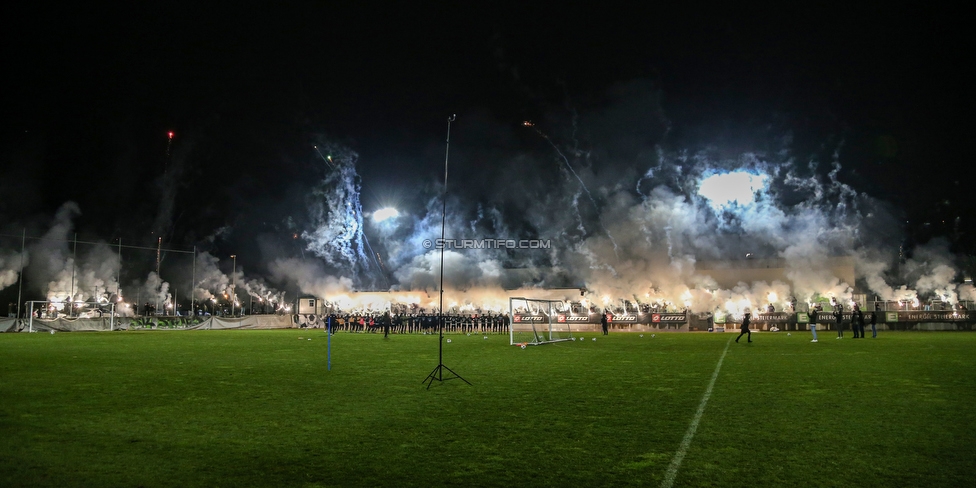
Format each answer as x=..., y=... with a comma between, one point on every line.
x=528, y=123
x=170, y=134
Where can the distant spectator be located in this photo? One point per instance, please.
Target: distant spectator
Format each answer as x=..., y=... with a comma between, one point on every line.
x=838, y=319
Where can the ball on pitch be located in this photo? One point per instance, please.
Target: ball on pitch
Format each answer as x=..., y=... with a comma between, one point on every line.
x=594, y=339
x=523, y=346
x=448, y=341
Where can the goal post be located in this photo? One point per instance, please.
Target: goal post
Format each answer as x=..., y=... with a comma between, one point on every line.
x=536, y=321
x=70, y=316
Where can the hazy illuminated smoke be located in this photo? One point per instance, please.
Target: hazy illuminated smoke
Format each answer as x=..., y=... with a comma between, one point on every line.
x=11, y=263
x=688, y=208
x=336, y=216
x=681, y=208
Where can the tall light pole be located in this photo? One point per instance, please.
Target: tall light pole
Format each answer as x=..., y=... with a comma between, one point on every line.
x=233, y=288
x=159, y=250
x=20, y=287
x=74, y=264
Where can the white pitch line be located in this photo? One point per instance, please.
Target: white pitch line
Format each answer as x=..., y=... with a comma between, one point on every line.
x=686, y=442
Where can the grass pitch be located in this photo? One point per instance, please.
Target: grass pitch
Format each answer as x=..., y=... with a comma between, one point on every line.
x=259, y=408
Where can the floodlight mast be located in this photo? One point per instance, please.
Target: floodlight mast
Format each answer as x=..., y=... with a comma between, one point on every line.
x=20, y=287
x=233, y=274
x=438, y=372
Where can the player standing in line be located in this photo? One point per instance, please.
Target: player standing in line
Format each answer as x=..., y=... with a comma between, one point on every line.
x=838, y=318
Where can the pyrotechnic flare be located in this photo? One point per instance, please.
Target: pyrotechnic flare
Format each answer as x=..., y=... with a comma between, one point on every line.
x=327, y=159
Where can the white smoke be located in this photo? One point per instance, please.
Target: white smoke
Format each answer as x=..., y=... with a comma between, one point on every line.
x=635, y=222
x=11, y=265
x=310, y=277
x=210, y=281
x=336, y=232
x=155, y=291
x=645, y=247
x=51, y=267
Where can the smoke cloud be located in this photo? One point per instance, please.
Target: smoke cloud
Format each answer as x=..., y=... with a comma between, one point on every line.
x=625, y=223
x=629, y=213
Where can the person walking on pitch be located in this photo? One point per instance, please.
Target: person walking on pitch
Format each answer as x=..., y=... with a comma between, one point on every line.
x=813, y=321
x=745, y=328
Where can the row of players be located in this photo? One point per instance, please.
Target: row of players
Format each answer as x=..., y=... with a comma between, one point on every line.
x=419, y=323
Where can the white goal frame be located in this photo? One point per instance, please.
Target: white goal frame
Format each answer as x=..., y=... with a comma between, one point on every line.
x=542, y=332
x=46, y=305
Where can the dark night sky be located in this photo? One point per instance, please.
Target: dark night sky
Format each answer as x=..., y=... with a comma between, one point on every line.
x=92, y=91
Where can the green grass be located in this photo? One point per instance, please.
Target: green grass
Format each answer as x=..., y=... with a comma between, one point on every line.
x=259, y=408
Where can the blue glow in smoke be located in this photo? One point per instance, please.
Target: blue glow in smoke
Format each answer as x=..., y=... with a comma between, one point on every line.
x=738, y=187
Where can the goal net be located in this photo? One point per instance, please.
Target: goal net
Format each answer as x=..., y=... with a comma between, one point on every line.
x=537, y=321
x=46, y=316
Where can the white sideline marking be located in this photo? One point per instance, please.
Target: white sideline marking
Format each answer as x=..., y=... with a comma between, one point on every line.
x=686, y=442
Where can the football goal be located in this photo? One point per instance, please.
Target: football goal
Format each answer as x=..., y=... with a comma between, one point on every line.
x=537, y=321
